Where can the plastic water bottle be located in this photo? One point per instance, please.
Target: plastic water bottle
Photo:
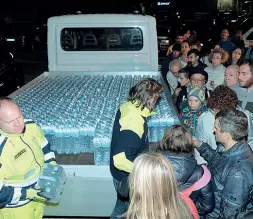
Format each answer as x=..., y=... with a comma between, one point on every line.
x=89, y=105
x=51, y=182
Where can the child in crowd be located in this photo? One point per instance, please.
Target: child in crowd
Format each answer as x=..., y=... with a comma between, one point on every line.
x=198, y=77
x=195, y=107
x=177, y=146
x=153, y=190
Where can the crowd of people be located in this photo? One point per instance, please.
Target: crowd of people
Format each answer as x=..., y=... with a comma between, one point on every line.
x=203, y=167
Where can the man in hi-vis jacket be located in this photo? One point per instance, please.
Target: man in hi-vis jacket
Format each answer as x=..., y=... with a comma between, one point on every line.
x=23, y=152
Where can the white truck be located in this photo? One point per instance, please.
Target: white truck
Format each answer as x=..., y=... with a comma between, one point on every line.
x=247, y=29
x=93, y=61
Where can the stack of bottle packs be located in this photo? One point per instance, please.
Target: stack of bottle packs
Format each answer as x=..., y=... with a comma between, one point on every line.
x=77, y=112
x=51, y=182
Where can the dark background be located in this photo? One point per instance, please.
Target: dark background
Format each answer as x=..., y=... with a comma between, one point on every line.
x=40, y=10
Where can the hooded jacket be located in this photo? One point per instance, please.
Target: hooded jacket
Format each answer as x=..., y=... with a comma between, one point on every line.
x=187, y=172
x=232, y=177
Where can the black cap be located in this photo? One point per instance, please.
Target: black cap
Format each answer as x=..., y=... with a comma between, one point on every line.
x=176, y=47
x=198, y=70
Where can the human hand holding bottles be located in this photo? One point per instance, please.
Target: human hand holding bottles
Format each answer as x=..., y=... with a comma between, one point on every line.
x=34, y=194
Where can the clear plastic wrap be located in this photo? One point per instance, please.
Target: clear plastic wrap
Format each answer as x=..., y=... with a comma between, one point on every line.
x=77, y=112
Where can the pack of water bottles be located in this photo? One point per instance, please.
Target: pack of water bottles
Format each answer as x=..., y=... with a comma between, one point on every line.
x=51, y=182
x=77, y=112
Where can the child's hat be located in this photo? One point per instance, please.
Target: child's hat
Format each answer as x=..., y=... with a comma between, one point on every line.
x=197, y=92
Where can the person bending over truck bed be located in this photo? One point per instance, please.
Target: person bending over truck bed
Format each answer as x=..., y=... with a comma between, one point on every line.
x=130, y=137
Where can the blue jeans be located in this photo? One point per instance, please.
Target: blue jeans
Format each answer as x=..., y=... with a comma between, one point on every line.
x=121, y=205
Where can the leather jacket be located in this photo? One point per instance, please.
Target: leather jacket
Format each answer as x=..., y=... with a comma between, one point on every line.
x=187, y=172
x=232, y=177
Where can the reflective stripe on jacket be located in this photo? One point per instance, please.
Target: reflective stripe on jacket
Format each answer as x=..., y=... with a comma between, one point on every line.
x=22, y=157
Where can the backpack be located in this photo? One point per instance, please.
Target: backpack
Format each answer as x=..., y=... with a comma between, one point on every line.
x=201, y=183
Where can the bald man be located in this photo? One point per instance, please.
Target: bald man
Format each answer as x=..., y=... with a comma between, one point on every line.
x=231, y=75
x=23, y=152
x=172, y=75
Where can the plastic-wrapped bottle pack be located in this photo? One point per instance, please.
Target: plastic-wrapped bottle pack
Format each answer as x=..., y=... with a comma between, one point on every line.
x=77, y=112
x=51, y=182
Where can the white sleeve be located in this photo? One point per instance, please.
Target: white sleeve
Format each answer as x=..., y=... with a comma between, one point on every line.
x=172, y=81
x=204, y=132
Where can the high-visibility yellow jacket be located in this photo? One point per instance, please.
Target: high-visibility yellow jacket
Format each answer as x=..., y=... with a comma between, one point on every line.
x=22, y=157
x=129, y=139
x=169, y=49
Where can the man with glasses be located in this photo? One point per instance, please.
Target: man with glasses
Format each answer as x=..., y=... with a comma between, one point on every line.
x=198, y=77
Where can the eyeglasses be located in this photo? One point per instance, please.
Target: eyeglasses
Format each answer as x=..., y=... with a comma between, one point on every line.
x=196, y=80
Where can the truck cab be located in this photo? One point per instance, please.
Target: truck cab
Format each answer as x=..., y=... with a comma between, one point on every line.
x=106, y=42
x=93, y=62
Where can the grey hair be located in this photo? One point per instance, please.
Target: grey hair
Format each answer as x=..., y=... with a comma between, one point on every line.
x=235, y=122
x=175, y=62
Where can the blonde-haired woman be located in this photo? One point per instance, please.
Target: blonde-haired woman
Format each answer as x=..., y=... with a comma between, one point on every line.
x=153, y=190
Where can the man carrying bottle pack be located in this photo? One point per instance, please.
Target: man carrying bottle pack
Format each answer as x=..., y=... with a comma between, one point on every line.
x=23, y=152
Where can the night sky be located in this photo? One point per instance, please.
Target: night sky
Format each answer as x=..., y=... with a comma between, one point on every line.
x=94, y=5
x=42, y=9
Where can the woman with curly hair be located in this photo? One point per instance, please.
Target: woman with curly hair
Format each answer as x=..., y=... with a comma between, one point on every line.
x=216, y=73
x=220, y=99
